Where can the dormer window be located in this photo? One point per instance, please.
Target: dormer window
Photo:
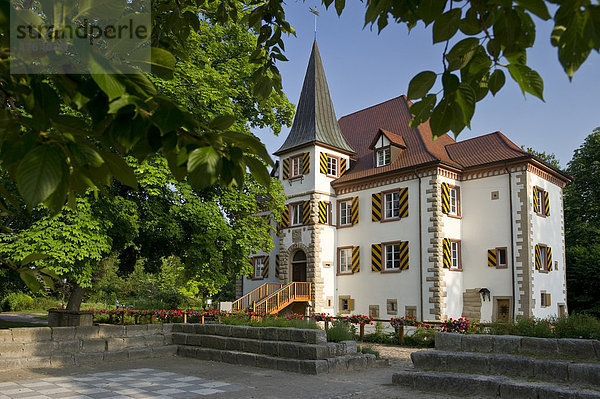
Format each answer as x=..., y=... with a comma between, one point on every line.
x=383, y=156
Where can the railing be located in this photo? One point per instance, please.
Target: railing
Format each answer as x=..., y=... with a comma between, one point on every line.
x=256, y=295
x=293, y=292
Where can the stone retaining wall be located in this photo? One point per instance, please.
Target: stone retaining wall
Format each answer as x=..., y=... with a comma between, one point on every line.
x=307, y=336
x=60, y=346
x=571, y=348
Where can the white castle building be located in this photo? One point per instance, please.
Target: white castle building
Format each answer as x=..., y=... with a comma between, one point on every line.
x=384, y=221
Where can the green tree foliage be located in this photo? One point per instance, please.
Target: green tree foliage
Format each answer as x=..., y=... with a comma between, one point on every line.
x=582, y=226
x=550, y=159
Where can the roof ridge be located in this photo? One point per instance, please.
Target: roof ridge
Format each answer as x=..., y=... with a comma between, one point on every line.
x=372, y=106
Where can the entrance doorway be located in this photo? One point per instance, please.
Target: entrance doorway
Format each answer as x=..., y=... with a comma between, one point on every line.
x=299, y=267
x=502, y=309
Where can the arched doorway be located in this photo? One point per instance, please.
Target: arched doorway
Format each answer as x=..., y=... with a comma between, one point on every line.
x=299, y=266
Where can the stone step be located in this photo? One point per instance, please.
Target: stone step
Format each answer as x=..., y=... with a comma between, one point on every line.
x=488, y=386
x=509, y=365
x=330, y=365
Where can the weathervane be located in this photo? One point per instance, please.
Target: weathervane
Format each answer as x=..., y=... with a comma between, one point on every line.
x=316, y=15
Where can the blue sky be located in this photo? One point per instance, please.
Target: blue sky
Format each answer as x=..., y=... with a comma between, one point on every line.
x=364, y=68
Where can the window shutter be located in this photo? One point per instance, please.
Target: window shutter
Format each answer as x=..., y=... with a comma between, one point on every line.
x=286, y=168
x=265, y=272
x=546, y=204
x=343, y=166
x=350, y=304
x=323, y=163
x=403, y=202
x=355, y=259
x=404, y=255
x=305, y=163
x=538, y=258
x=285, y=217
x=536, y=206
x=251, y=274
x=323, y=209
x=492, y=261
x=354, y=216
x=549, y=258
x=447, y=254
x=277, y=266
x=376, y=207
x=445, y=198
x=376, y=257
x=305, y=212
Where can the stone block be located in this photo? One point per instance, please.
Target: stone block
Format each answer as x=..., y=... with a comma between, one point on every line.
x=348, y=347
x=289, y=349
x=62, y=360
x=167, y=328
x=87, y=332
x=15, y=363
x=429, y=359
x=63, y=333
x=270, y=333
x=539, y=346
x=111, y=331
x=155, y=329
x=270, y=348
x=291, y=365
x=38, y=362
x=314, y=367
x=448, y=341
x=298, y=335
x=507, y=344
x=597, y=349
x=93, y=345
x=314, y=352
x=337, y=364
x=551, y=370
x=252, y=345
x=155, y=340
x=115, y=344
x=332, y=347
x=168, y=339
x=468, y=361
x=210, y=329
x=235, y=344
x=135, y=342
x=318, y=337
x=189, y=328
x=585, y=373
x=186, y=351
x=85, y=358
x=477, y=343
x=254, y=333
x=214, y=342
x=230, y=357
x=164, y=351
x=194, y=339
x=247, y=359
x=285, y=334
x=176, y=328
x=357, y=362
x=404, y=379
x=45, y=348
x=180, y=338
x=222, y=330
x=5, y=336
x=136, y=330
x=521, y=390
x=116, y=356
x=560, y=392
x=8, y=350
x=73, y=346
x=458, y=384
x=141, y=353
x=213, y=354
x=513, y=365
x=577, y=348
x=239, y=331
x=31, y=334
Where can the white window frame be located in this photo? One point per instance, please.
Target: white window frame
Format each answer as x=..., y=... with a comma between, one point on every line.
x=498, y=262
x=394, y=259
x=391, y=205
x=296, y=167
x=332, y=165
x=383, y=156
x=454, y=255
x=454, y=201
x=346, y=213
x=296, y=214
x=345, y=260
x=259, y=266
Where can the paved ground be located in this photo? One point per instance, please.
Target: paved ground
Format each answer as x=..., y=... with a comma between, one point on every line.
x=24, y=317
x=242, y=382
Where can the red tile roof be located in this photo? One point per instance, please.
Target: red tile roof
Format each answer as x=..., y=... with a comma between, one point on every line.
x=493, y=147
x=395, y=139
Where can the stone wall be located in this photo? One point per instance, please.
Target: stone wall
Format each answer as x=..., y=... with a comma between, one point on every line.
x=62, y=346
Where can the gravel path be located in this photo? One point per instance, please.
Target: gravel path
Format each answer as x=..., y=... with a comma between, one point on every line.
x=24, y=317
x=398, y=356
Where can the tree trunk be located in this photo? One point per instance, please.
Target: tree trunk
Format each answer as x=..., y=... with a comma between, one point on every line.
x=76, y=298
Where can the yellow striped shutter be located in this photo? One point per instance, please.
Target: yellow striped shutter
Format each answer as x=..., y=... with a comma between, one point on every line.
x=286, y=168
x=492, y=261
x=445, y=198
x=404, y=255
x=354, y=211
x=305, y=163
x=323, y=163
x=376, y=207
x=447, y=253
x=343, y=166
x=403, y=202
x=355, y=259
x=376, y=257
x=305, y=212
x=549, y=258
x=536, y=206
x=538, y=258
x=285, y=217
x=323, y=210
x=277, y=266
x=265, y=272
x=546, y=204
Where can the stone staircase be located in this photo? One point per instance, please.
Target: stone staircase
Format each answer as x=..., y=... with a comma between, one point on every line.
x=287, y=349
x=506, y=367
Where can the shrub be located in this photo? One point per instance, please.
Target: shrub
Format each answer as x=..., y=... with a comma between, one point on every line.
x=577, y=326
x=16, y=301
x=294, y=321
x=528, y=327
x=422, y=338
x=380, y=336
x=364, y=349
x=340, y=330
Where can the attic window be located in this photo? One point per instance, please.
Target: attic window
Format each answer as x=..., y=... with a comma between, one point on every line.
x=383, y=156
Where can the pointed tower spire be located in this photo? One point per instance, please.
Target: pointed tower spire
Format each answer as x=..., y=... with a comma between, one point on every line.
x=315, y=120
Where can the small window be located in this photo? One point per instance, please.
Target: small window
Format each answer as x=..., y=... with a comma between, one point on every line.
x=392, y=306
x=344, y=304
x=296, y=167
x=545, y=299
x=410, y=311
x=540, y=201
x=259, y=265
x=392, y=257
x=543, y=257
x=454, y=201
x=297, y=214
x=383, y=156
x=345, y=259
x=501, y=257
x=332, y=166
x=345, y=213
x=455, y=255
x=392, y=205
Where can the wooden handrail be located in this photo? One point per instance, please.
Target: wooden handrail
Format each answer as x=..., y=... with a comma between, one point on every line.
x=293, y=292
x=255, y=295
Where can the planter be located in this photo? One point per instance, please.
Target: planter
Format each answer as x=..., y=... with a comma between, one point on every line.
x=69, y=318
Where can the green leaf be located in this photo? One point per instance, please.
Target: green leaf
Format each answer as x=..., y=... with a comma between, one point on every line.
x=537, y=7
x=496, y=81
x=40, y=173
x=33, y=258
x=119, y=169
x=258, y=171
x=29, y=278
x=450, y=82
x=470, y=24
x=507, y=28
x=465, y=98
x=446, y=25
x=429, y=10
x=422, y=110
x=249, y=144
x=339, y=6
x=442, y=117
x=222, y=122
x=86, y=155
x=106, y=80
x=103, y=9
x=528, y=80
x=203, y=166
x=461, y=53
x=159, y=61
x=420, y=85
x=573, y=47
